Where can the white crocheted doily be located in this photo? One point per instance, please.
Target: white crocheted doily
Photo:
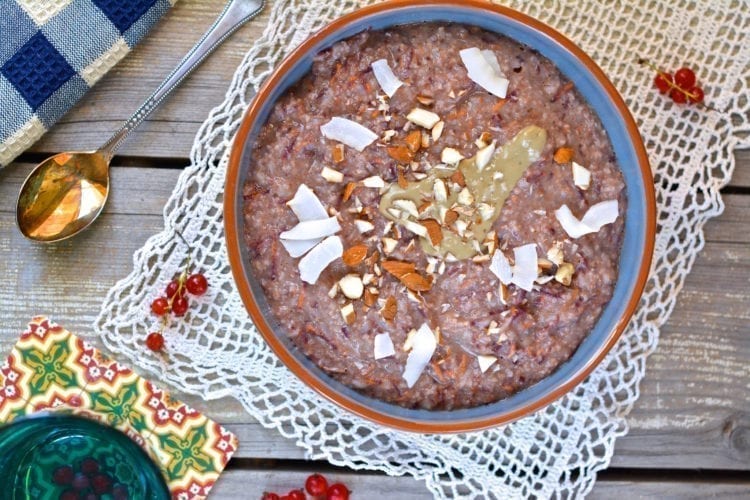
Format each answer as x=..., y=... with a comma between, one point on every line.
x=217, y=352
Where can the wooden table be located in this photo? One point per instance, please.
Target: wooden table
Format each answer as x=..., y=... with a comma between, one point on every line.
x=689, y=431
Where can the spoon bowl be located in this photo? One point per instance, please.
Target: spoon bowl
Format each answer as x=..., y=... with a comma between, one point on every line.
x=63, y=195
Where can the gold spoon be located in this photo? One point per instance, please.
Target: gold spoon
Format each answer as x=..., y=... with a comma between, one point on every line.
x=65, y=193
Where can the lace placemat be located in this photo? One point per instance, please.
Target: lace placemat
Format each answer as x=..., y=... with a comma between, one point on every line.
x=555, y=452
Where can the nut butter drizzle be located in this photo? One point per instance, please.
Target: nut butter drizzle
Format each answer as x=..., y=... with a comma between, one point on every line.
x=488, y=188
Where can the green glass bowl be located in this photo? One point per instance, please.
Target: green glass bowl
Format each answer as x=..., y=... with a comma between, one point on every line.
x=60, y=456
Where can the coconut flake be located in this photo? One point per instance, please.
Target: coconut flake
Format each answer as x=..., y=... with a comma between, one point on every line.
x=306, y=205
x=383, y=346
x=311, y=229
x=297, y=248
x=500, y=267
x=423, y=346
x=525, y=270
x=491, y=59
x=385, y=77
x=581, y=176
x=485, y=361
x=483, y=73
x=348, y=132
x=596, y=217
x=423, y=118
x=312, y=264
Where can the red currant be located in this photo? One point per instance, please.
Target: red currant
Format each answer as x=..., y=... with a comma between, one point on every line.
x=155, y=341
x=63, y=475
x=678, y=96
x=269, y=496
x=172, y=289
x=179, y=305
x=663, y=82
x=316, y=485
x=160, y=306
x=101, y=484
x=337, y=491
x=89, y=466
x=696, y=94
x=684, y=78
x=197, y=284
x=68, y=495
x=296, y=495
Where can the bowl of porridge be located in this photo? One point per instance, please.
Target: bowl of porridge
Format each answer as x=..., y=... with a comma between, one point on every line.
x=440, y=217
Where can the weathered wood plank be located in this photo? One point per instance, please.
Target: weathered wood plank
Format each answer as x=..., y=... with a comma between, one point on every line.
x=251, y=483
x=694, y=411
x=741, y=176
x=170, y=131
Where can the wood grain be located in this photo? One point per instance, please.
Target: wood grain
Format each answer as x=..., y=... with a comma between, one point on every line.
x=694, y=411
x=170, y=130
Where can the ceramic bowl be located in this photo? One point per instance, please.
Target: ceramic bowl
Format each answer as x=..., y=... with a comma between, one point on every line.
x=637, y=249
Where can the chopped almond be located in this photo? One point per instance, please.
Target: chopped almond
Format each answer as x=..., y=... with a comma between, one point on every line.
x=351, y=286
x=425, y=100
x=402, y=183
x=564, y=273
x=433, y=230
x=348, y=190
x=372, y=259
x=332, y=175
x=437, y=130
x=486, y=137
x=416, y=282
x=347, y=312
x=354, y=255
x=451, y=216
x=458, y=178
x=414, y=140
x=389, y=245
x=400, y=153
x=424, y=206
x=563, y=155
x=389, y=309
x=338, y=153
x=369, y=298
x=398, y=268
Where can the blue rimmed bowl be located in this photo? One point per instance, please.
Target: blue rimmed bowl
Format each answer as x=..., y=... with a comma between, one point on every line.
x=640, y=218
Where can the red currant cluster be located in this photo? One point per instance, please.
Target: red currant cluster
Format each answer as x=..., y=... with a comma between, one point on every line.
x=681, y=87
x=176, y=302
x=317, y=486
x=88, y=482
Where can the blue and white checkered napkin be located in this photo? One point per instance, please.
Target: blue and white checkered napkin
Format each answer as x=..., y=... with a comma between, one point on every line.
x=53, y=51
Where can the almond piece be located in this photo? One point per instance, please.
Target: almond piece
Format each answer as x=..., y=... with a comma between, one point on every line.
x=451, y=216
x=414, y=140
x=451, y=156
x=347, y=312
x=338, y=153
x=398, y=268
x=486, y=137
x=564, y=273
x=389, y=309
x=332, y=175
x=416, y=282
x=351, y=286
x=348, y=190
x=433, y=230
x=423, y=118
x=563, y=155
x=425, y=100
x=402, y=183
x=400, y=153
x=354, y=255
x=437, y=130
x=372, y=259
x=458, y=178
x=369, y=298
x=424, y=206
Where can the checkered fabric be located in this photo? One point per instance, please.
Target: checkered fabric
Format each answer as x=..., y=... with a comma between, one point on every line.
x=53, y=51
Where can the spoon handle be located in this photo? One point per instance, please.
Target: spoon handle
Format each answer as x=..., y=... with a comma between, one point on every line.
x=234, y=15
